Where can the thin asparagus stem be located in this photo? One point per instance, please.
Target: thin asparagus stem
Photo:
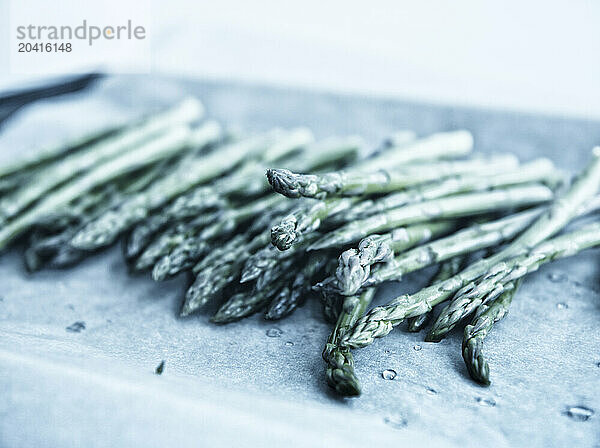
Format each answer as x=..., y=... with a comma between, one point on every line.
x=447, y=269
x=285, y=304
x=381, y=320
x=540, y=170
x=456, y=206
x=475, y=333
x=305, y=219
x=174, y=141
x=355, y=183
x=220, y=268
x=354, y=265
x=188, y=174
x=106, y=149
x=244, y=304
x=185, y=254
x=340, y=363
x=493, y=283
x=186, y=111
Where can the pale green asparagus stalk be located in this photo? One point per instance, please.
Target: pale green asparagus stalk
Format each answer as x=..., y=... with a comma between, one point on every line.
x=381, y=320
x=309, y=216
x=456, y=206
x=354, y=265
x=107, y=228
x=354, y=272
x=540, y=170
x=174, y=141
x=475, y=333
x=493, y=283
x=218, y=269
x=340, y=363
x=106, y=149
x=186, y=111
x=447, y=269
x=393, y=178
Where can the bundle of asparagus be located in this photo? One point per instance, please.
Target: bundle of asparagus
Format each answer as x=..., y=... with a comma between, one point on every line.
x=189, y=197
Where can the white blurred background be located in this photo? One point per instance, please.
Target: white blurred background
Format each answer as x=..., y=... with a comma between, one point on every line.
x=539, y=56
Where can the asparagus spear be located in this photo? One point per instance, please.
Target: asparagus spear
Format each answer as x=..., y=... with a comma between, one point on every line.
x=220, y=268
x=285, y=304
x=305, y=219
x=52, y=248
x=539, y=170
x=355, y=272
x=171, y=238
x=493, y=283
x=475, y=333
x=162, y=147
x=447, y=269
x=106, y=149
x=354, y=265
x=457, y=206
x=357, y=183
x=240, y=182
x=381, y=320
x=309, y=216
x=185, y=254
x=188, y=174
x=340, y=363
x=245, y=303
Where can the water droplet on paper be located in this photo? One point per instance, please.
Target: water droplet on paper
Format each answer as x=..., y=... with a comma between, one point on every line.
x=417, y=348
x=76, y=327
x=556, y=277
x=562, y=306
x=274, y=332
x=395, y=421
x=388, y=374
x=289, y=344
x=580, y=413
x=431, y=391
x=487, y=402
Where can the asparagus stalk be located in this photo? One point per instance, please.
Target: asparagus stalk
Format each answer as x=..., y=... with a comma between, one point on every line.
x=457, y=206
x=219, y=269
x=381, y=320
x=442, y=145
x=540, y=170
x=243, y=304
x=285, y=304
x=354, y=265
x=162, y=147
x=305, y=219
x=493, y=283
x=186, y=111
x=185, y=254
x=475, y=333
x=463, y=242
x=340, y=363
x=308, y=217
x=393, y=178
x=447, y=269
x=188, y=174
x=173, y=236
x=104, y=150
x=52, y=249
x=240, y=182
